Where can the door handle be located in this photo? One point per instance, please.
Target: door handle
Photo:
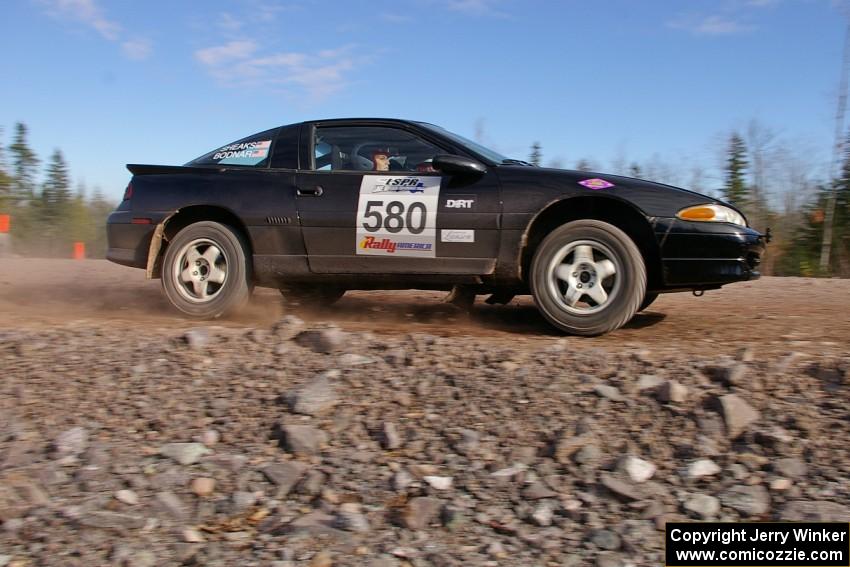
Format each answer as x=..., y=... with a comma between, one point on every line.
x=310, y=191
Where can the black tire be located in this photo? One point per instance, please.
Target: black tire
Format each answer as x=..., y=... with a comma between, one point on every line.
x=215, y=298
x=311, y=295
x=561, y=301
x=647, y=301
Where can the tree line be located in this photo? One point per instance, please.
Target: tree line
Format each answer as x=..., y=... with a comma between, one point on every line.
x=775, y=185
x=47, y=215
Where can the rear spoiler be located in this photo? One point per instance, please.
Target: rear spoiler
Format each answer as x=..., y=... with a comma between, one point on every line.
x=143, y=169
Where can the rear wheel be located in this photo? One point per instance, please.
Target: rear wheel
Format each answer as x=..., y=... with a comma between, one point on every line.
x=588, y=277
x=311, y=295
x=205, y=270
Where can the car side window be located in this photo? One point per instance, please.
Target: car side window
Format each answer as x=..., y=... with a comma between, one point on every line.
x=371, y=148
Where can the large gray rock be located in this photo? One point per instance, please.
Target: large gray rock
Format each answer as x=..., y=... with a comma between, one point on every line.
x=737, y=414
x=184, y=453
x=288, y=326
x=791, y=468
x=284, y=475
x=748, y=500
x=172, y=505
x=672, y=392
x=71, y=442
x=701, y=468
x=703, y=506
x=303, y=440
x=621, y=488
x=420, y=512
x=315, y=397
x=197, y=338
x=324, y=341
x=638, y=470
x=351, y=518
x=390, y=437
x=105, y=519
x=609, y=392
x=606, y=539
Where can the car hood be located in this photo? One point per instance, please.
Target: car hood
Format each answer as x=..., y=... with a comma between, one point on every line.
x=653, y=199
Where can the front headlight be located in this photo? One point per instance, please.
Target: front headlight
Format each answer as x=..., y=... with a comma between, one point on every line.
x=712, y=213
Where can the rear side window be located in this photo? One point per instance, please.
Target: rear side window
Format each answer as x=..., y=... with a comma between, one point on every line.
x=253, y=151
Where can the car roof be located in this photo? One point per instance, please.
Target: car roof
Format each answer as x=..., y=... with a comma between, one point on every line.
x=362, y=119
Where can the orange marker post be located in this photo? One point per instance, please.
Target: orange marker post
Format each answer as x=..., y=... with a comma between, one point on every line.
x=79, y=250
x=5, y=223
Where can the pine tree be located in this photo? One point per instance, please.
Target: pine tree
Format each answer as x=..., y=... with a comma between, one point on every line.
x=584, y=165
x=635, y=170
x=5, y=179
x=735, y=189
x=24, y=165
x=50, y=210
x=56, y=191
x=536, y=154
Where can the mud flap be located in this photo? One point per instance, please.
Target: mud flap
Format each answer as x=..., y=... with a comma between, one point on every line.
x=153, y=269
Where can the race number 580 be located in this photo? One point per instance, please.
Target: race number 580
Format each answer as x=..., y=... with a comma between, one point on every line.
x=393, y=218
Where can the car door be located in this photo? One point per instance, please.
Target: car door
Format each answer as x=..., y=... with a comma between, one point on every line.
x=370, y=203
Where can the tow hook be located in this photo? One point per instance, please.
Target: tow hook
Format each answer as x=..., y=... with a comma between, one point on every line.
x=698, y=292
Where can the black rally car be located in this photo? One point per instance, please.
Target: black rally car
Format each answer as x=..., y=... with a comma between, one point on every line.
x=321, y=207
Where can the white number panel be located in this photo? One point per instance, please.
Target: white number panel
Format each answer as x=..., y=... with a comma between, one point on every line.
x=397, y=215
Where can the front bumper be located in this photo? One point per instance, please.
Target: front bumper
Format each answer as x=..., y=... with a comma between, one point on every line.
x=707, y=254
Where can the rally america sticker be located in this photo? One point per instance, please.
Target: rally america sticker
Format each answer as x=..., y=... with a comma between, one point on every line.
x=397, y=215
x=596, y=183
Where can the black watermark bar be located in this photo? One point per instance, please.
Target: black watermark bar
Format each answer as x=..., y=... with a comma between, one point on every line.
x=757, y=544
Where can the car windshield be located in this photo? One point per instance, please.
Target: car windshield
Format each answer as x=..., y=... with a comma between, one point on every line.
x=475, y=147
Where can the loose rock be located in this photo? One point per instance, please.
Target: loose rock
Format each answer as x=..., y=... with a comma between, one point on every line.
x=748, y=500
x=303, y=440
x=421, y=511
x=737, y=414
x=703, y=505
x=321, y=340
x=638, y=470
x=314, y=398
x=184, y=453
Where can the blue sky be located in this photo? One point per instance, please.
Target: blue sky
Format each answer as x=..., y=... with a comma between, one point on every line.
x=116, y=82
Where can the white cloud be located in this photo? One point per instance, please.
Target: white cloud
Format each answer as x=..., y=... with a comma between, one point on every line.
x=243, y=63
x=88, y=13
x=711, y=26
x=137, y=49
x=396, y=18
x=474, y=7
x=220, y=54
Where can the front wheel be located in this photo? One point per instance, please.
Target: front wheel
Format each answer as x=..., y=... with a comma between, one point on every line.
x=588, y=277
x=205, y=272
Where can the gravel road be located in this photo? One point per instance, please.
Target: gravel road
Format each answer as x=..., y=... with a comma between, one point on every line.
x=392, y=430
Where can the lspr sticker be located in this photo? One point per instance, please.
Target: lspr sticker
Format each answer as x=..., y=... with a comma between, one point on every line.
x=596, y=183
